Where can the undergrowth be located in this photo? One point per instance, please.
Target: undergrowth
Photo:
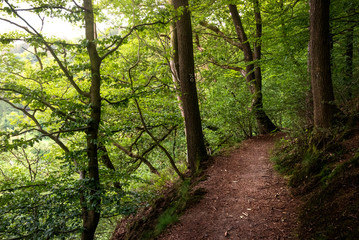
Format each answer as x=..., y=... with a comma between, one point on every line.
x=164, y=212
x=324, y=172
x=172, y=213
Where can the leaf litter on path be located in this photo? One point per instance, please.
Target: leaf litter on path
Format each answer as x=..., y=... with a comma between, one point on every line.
x=246, y=199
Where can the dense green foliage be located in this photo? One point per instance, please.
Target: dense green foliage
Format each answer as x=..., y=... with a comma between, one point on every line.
x=44, y=109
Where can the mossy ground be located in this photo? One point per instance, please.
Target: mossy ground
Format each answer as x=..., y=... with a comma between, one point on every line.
x=165, y=211
x=326, y=177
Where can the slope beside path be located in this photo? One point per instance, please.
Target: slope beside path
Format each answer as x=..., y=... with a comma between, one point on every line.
x=245, y=199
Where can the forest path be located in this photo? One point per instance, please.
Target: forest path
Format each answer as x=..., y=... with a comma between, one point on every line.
x=245, y=199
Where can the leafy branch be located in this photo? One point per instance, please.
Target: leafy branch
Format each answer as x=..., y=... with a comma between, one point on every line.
x=219, y=33
x=34, y=32
x=118, y=43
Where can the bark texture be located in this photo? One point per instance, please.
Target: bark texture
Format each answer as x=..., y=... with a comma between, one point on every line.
x=349, y=49
x=174, y=65
x=196, y=151
x=91, y=215
x=320, y=72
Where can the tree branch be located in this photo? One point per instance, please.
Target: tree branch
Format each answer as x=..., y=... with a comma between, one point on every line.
x=119, y=42
x=157, y=142
x=108, y=163
x=136, y=156
x=221, y=34
x=38, y=99
x=223, y=66
x=51, y=50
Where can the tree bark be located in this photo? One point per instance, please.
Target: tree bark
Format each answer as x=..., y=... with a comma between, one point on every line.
x=254, y=73
x=320, y=72
x=196, y=151
x=136, y=156
x=91, y=214
x=349, y=48
x=107, y=162
x=174, y=65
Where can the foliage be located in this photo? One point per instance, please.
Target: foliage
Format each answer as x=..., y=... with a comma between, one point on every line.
x=45, y=110
x=226, y=108
x=344, y=74
x=46, y=85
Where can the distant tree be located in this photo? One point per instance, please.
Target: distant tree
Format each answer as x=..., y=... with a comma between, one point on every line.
x=252, y=72
x=349, y=49
x=344, y=23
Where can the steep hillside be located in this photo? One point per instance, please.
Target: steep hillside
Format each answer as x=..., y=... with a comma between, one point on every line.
x=326, y=178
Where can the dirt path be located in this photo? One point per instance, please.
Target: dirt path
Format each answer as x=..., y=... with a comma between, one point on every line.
x=246, y=199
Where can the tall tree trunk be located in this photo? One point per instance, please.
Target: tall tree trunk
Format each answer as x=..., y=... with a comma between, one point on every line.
x=265, y=125
x=91, y=211
x=320, y=72
x=254, y=74
x=196, y=151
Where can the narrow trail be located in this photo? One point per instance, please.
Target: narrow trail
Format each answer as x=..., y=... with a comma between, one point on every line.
x=245, y=199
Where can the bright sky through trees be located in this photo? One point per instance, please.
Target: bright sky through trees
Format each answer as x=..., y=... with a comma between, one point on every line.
x=52, y=26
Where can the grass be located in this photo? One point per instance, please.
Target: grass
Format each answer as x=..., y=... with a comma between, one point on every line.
x=172, y=209
x=167, y=218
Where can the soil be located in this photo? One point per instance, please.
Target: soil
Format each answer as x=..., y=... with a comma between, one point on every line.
x=245, y=199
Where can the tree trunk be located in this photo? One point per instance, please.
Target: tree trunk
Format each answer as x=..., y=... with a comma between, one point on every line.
x=320, y=72
x=91, y=214
x=174, y=65
x=254, y=74
x=107, y=162
x=349, y=48
x=196, y=151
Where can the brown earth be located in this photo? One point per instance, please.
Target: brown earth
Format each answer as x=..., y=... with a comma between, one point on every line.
x=245, y=199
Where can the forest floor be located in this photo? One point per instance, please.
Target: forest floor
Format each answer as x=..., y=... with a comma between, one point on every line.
x=245, y=199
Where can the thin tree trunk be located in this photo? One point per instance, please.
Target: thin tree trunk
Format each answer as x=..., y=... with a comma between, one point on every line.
x=349, y=47
x=254, y=74
x=320, y=71
x=141, y=158
x=196, y=150
x=91, y=214
x=157, y=142
x=265, y=125
x=108, y=163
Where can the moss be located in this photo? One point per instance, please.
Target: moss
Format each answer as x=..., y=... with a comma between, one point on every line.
x=332, y=211
x=328, y=183
x=167, y=218
x=169, y=210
